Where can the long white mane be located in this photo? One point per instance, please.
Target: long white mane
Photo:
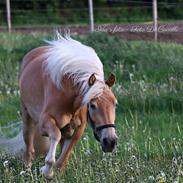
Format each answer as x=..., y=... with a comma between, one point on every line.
x=66, y=56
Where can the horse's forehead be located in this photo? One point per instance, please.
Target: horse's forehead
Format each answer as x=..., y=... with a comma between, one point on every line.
x=107, y=97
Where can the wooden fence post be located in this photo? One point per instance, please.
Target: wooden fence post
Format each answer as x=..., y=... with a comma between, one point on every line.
x=8, y=12
x=155, y=17
x=90, y=2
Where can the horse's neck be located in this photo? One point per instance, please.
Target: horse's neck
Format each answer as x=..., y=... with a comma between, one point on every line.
x=73, y=90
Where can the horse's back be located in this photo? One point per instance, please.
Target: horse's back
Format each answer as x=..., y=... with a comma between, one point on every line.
x=31, y=81
x=33, y=55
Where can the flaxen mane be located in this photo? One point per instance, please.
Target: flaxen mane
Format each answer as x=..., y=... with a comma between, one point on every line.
x=67, y=56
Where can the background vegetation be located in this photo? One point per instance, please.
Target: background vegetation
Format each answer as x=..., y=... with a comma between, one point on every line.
x=149, y=122
x=39, y=12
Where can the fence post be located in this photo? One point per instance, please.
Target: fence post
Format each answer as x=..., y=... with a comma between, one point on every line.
x=155, y=17
x=90, y=2
x=8, y=12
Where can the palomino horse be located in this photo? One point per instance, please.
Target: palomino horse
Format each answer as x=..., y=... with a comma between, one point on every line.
x=61, y=85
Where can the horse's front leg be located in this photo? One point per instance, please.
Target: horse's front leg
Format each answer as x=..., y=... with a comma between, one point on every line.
x=68, y=145
x=48, y=127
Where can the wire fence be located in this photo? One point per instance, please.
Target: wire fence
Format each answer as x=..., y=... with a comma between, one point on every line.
x=119, y=12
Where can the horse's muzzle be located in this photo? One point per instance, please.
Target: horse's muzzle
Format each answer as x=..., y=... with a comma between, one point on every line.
x=108, y=144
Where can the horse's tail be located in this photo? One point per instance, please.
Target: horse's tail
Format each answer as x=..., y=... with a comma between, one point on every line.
x=16, y=146
x=13, y=146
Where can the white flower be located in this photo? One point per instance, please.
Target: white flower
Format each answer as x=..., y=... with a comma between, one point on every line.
x=22, y=173
x=161, y=175
x=131, y=76
x=5, y=163
x=151, y=178
x=88, y=152
x=176, y=147
x=132, y=178
x=8, y=92
x=171, y=78
x=133, y=157
x=85, y=138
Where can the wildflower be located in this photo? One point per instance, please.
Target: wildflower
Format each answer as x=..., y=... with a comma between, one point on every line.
x=8, y=92
x=174, y=160
x=161, y=180
x=131, y=77
x=132, y=178
x=5, y=163
x=171, y=78
x=133, y=157
x=176, y=147
x=119, y=88
x=22, y=173
x=161, y=177
x=121, y=66
x=151, y=178
x=85, y=138
x=87, y=152
x=133, y=67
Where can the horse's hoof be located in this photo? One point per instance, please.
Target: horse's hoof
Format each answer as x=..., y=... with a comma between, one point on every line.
x=29, y=164
x=47, y=173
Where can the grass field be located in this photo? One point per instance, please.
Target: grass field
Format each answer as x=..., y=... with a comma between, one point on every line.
x=149, y=120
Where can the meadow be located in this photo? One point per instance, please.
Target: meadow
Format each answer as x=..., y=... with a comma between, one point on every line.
x=149, y=120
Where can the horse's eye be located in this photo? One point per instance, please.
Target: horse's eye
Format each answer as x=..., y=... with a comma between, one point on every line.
x=93, y=106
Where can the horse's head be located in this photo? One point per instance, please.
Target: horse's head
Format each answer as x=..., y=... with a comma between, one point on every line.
x=101, y=115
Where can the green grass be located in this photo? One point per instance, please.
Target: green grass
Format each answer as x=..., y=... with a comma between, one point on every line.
x=149, y=120
x=77, y=15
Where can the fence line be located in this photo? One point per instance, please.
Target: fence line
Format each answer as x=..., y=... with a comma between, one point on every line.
x=131, y=4
x=155, y=18
x=90, y=2
x=114, y=1
x=8, y=15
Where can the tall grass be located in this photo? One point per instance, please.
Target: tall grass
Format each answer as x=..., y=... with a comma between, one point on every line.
x=149, y=122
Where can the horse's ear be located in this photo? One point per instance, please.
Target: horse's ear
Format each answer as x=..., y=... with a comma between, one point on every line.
x=111, y=80
x=91, y=80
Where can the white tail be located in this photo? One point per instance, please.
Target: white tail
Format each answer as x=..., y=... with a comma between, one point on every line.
x=16, y=146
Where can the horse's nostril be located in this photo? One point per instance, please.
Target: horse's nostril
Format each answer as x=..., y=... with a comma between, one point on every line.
x=113, y=143
x=105, y=141
x=110, y=143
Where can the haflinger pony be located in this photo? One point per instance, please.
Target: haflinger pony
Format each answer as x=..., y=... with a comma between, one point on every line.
x=62, y=87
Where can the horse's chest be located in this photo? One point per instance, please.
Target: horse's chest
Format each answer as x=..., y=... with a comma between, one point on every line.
x=64, y=120
x=69, y=129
